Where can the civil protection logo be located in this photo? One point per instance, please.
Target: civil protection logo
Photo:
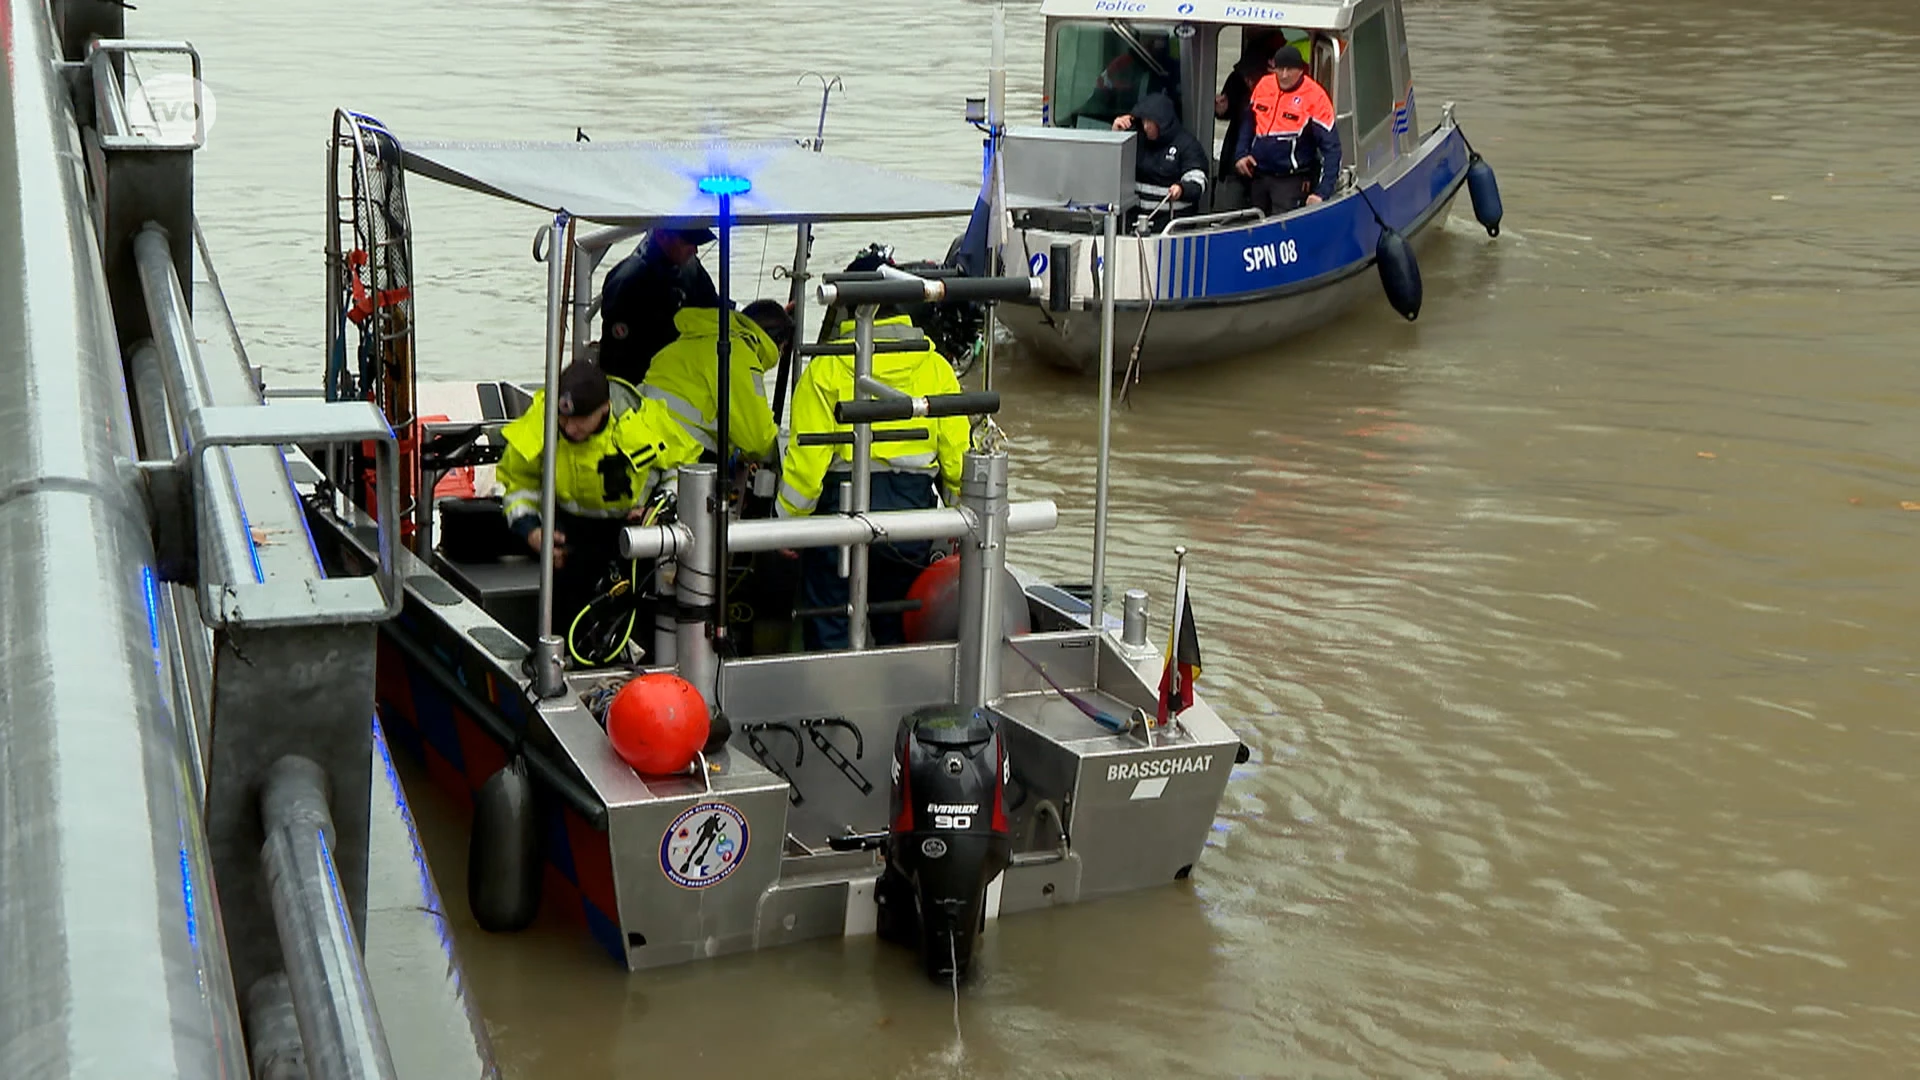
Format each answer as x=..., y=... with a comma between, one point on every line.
x=703, y=845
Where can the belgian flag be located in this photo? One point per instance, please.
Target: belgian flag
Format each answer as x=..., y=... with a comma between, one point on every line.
x=1183, y=654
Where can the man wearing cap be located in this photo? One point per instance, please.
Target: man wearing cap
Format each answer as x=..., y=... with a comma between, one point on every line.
x=1288, y=147
x=604, y=469
x=643, y=293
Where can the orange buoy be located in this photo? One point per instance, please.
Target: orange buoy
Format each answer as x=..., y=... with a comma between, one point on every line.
x=657, y=723
x=938, y=590
x=938, y=616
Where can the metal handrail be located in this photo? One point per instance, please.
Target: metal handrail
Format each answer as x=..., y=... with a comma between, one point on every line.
x=837, y=530
x=110, y=95
x=221, y=518
x=1188, y=224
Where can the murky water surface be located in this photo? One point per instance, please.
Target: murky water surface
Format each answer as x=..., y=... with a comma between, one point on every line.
x=1573, y=627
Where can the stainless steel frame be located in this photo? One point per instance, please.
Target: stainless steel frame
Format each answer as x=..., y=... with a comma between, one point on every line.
x=339, y=1029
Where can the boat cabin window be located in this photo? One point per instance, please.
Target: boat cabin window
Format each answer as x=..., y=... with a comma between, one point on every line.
x=1372, y=75
x=1234, y=41
x=1103, y=69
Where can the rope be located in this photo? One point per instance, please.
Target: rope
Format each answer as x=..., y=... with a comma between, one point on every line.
x=1132, y=377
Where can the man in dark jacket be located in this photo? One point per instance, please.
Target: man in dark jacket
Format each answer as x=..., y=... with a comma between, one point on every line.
x=642, y=294
x=1231, y=191
x=1170, y=165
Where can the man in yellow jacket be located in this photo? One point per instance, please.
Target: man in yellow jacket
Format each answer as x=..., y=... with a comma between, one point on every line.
x=604, y=469
x=907, y=475
x=684, y=380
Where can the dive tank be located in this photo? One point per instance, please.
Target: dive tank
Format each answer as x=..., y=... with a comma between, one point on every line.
x=948, y=838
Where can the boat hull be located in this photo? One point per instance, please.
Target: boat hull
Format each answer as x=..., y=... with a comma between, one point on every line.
x=450, y=690
x=1222, y=293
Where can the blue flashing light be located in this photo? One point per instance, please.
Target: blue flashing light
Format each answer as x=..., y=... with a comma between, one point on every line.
x=723, y=184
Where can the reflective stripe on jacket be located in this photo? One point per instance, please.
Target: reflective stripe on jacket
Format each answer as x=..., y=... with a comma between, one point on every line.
x=685, y=376
x=829, y=379
x=1292, y=132
x=603, y=477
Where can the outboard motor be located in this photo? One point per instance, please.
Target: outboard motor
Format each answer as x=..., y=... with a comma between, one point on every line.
x=948, y=839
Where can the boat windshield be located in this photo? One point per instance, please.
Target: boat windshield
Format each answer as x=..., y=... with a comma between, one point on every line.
x=1102, y=69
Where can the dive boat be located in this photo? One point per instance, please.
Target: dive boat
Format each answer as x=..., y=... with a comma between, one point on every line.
x=1229, y=282
x=1027, y=763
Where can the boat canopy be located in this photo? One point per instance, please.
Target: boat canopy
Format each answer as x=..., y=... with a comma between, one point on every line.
x=1324, y=15
x=647, y=184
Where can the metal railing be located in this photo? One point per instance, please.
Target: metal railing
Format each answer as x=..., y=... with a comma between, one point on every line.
x=984, y=519
x=340, y=1030
x=1208, y=221
x=231, y=585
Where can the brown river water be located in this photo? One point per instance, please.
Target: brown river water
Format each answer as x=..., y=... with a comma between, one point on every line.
x=1572, y=627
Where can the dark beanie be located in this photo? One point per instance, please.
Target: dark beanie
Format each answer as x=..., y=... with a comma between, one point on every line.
x=1289, y=57
x=583, y=388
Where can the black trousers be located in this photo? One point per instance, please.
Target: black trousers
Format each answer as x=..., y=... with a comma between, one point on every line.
x=1231, y=191
x=1274, y=195
x=892, y=568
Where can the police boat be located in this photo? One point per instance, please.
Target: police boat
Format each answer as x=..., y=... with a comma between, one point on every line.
x=1031, y=759
x=1222, y=281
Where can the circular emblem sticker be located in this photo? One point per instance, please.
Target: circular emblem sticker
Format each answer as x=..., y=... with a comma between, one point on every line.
x=933, y=847
x=703, y=845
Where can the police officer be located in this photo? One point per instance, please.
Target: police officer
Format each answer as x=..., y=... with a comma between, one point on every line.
x=1170, y=165
x=907, y=475
x=1288, y=147
x=603, y=472
x=641, y=295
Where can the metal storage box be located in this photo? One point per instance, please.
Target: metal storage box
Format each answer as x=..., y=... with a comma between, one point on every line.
x=1052, y=166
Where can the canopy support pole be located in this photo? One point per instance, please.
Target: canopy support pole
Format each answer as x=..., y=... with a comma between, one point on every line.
x=1097, y=613
x=548, y=673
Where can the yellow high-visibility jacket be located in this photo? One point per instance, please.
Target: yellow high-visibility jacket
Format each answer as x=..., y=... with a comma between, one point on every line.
x=685, y=376
x=604, y=477
x=829, y=379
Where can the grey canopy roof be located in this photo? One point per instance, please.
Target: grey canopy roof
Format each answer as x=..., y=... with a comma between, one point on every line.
x=651, y=183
